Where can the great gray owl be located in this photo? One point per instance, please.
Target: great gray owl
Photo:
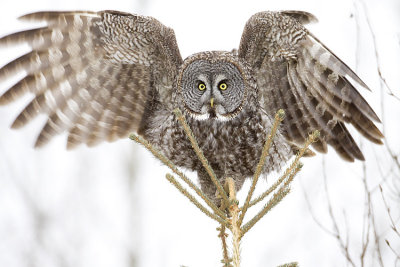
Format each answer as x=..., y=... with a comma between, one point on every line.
x=101, y=75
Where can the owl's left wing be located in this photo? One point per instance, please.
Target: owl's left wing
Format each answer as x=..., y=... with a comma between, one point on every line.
x=92, y=73
x=297, y=73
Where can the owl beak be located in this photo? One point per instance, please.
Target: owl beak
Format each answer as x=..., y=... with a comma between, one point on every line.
x=212, y=102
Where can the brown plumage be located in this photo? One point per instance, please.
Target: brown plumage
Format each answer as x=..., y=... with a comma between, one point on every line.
x=81, y=70
x=101, y=75
x=301, y=75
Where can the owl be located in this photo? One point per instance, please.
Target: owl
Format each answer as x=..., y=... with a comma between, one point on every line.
x=102, y=75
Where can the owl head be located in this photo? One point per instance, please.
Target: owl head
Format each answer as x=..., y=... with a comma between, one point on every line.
x=214, y=85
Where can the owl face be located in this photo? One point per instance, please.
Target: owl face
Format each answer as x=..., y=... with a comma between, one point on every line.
x=212, y=89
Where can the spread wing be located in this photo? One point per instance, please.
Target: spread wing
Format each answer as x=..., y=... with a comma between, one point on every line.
x=93, y=73
x=296, y=72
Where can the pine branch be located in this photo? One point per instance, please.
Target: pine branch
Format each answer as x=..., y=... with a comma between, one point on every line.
x=192, y=199
x=291, y=264
x=173, y=168
x=281, y=188
x=235, y=224
x=278, y=196
x=311, y=138
x=273, y=187
x=226, y=261
x=284, y=189
x=264, y=154
x=200, y=154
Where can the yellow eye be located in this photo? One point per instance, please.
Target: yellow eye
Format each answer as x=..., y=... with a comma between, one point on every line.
x=201, y=86
x=223, y=86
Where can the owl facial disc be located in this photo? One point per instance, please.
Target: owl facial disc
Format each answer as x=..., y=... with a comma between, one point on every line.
x=212, y=90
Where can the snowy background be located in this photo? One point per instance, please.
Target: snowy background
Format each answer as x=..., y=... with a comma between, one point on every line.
x=111, y=205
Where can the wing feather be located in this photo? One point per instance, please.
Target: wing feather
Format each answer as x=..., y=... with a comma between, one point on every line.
x=314, y=91
x=322, y=53
x=301, y=16
x=324, y=121
x=332, y=72
x=275, y=77
x=91, y=73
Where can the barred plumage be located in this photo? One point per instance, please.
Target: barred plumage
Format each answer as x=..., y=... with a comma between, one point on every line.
x=80, y=71
x=101, y=75
x=299, y=74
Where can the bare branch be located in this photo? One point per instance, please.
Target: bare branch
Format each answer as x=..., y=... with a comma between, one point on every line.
x=378, y=60
x=393, y=250
x=393, y=225
x=314, y=217
x=366, y=218
x=338, y=236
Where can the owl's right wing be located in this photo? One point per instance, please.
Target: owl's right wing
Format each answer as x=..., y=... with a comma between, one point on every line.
x=297, y=73
x=92, y=73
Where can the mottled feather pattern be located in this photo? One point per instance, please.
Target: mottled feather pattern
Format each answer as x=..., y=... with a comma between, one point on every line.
x=101, y=75
x=314, y=90
x=233, y=149
x=80, y=71
x=218, y=56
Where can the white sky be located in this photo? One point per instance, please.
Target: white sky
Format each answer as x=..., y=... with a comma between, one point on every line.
x=83, y=208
